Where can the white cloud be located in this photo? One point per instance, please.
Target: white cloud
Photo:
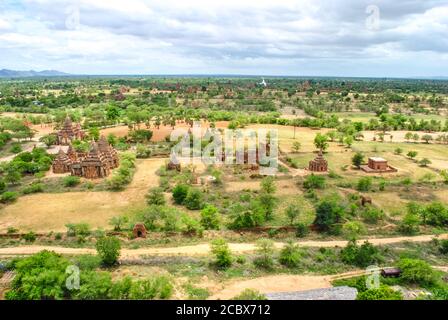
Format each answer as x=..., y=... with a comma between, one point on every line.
x=291, y=37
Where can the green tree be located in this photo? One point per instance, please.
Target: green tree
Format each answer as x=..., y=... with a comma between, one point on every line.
x=296, y=146
x=364, y=184
x=290, y=255
x=358, y=159
x=156, y=197
x=180, y=192
x=108, y=249
x=210, y=218
x=416, y=271
x=49, y=140
x=321, y=141
x=314, y=182
x=328, y=215
x=265, y=250
x=223, y=257
x=292, y=212
x=194, y=199
x=424, y=162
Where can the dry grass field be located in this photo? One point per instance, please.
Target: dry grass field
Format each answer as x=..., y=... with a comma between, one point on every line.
x=51, y=212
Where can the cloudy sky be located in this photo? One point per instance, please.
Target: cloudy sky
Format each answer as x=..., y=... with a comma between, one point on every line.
x=381, y=38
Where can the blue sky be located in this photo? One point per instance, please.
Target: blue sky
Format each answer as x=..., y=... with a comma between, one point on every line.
x=401, y=38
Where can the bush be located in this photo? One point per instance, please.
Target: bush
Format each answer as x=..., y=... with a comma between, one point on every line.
x=40, y=276
x=210, y=218
x=33, y=188
x=382, y=293
x=410, y=224
x=250, y=294
x=302, y=230
x=71, y=181
x=223, y=257
x=157, y=287
x=9, y=197
x=88, y=262
x=194, y=199
x=143, y=152
x=353, y=229
x=155, y=196
x=180, y=193
x=364, y=184
x=358, y=159
x=29, y=237
x=108, y=249
x=360, y=256
x=290, y=255
x=192, y=226
x=416, y=271
x=265, y=251
x=246, y=215
x=94, y=286
x=328, y=215
x=372, y=215
x=77, y=229
x=118, y=222
x=314, y=182
x=435, y=214
x=443, y=247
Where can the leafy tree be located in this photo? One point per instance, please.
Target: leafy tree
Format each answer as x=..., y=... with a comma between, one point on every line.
x=361, y=256
x=321, y=141
x=409, y=224
x=268, y=185
x=246, y=215
x=292, y=212
x=108, y=249
x=223, y=257
x=358, y=159
x=427, y=138
x=424, y=162
x=382, y=293
x=353, y=229
x=398, y=151
x=296, y=146
x=194, y=199
x=155, y=196
x=180, y=192
x=49, y=140
x=412, y=154
x=118, y=221
x=328, y=215
x=416, y=271
x=364, y=184
x=290, y=255
x=348, y=141
x=210, y=218
x=314, y=182
x=265, y=250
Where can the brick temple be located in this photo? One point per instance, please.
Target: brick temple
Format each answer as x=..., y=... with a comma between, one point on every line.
x=69, y=132
x=319, y=164
x=97, y=163
x=377, y=165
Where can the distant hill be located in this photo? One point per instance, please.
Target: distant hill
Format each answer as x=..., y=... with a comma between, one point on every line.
x=6, y=73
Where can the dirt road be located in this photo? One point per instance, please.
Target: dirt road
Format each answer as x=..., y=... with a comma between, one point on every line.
x=204, y=248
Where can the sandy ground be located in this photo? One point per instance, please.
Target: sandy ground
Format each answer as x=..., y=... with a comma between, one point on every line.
x=204, y=248
x=51, y=212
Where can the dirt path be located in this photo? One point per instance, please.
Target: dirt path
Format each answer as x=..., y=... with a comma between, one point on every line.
x=204, y=248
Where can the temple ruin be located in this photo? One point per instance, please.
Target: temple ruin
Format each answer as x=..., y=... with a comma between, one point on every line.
x=319, y=164
x=97, y=163
x=377, y=165
x=69, y=132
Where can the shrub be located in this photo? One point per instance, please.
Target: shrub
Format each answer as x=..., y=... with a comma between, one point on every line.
x=194, y=199
x=314, y=182
x=180, y=193
x=265, y=251
x=88, y=262
x=77, y=229
x=192, y=226
x=118, y=222
x=302, y=230
x=372, y=215
x=358, y=159
x=94, y=285
x=143, y=152
x=40, y=276
x=410, y=224
x=155, y=196
x=292, y=212
x=364, y=184
x=223, y=257
x=108, y=249
x=328, y=215
x=246, y=215
x=71, y=181
x=9, y=196
x=290, y=255
x=382, y=293
x=250, y=294
x=33, y=188
x=435, y=214
x=157, y=287
x=361, y=256
x=353, y=229
x=210, y=218
x=443, y=247
x=416, y=271
x=29, y=237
